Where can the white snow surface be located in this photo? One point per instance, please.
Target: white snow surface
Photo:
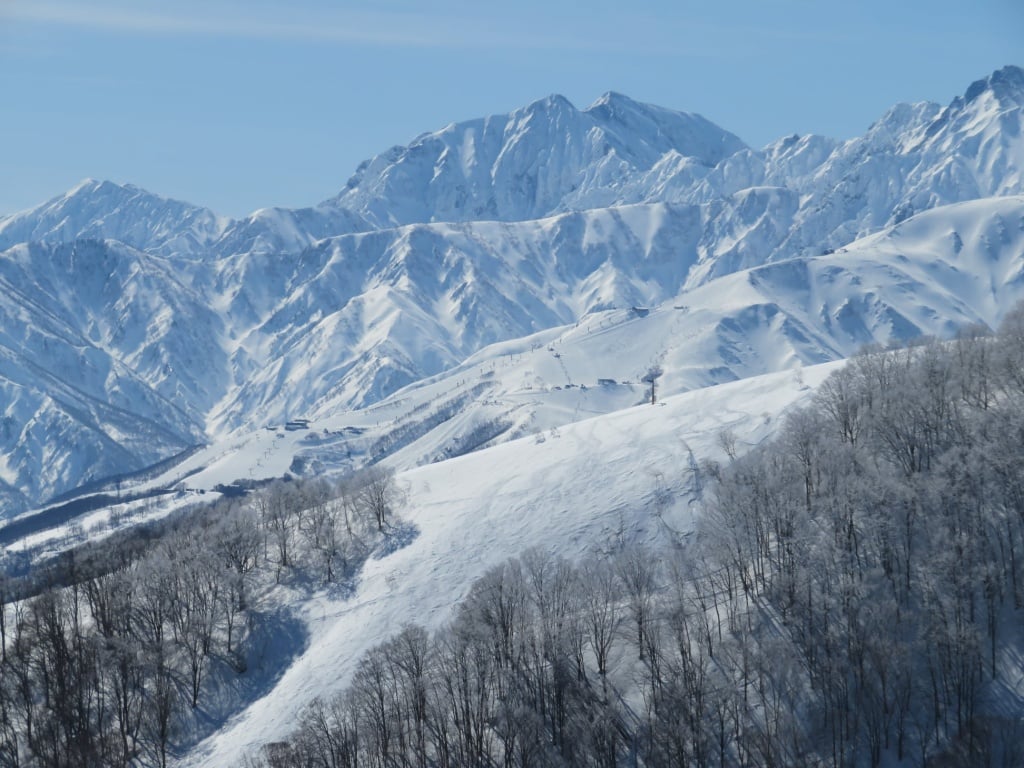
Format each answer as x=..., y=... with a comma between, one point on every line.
x=570, y=491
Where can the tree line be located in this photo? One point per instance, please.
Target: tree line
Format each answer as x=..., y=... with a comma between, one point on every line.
x=107, y=664
x=852, y=596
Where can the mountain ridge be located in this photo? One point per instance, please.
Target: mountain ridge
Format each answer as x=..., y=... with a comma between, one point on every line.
x=260, y=318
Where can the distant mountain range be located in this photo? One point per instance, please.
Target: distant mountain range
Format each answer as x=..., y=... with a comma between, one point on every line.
x=133, y=327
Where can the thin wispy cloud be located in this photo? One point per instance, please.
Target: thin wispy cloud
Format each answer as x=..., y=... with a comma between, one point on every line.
x=405, y=27
x=385, y=28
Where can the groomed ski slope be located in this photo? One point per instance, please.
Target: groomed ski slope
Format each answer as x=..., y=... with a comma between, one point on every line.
x=631, y=475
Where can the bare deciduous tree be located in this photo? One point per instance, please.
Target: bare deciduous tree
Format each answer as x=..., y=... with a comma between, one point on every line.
x=377, y=493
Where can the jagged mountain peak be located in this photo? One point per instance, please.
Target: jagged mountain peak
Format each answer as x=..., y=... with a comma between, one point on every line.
x=902, y=125
x=1005, y=84
x=612, y=104
x=91, y=189
x=687, y=133
x=553, y=102
x=611, y=98
x=541, y=159
x=988, y=103
x=90, y=186
x=102, y=209
x=287, y=230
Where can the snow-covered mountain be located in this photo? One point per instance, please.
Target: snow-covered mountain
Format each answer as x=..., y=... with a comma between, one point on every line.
x=545, y=158
x=102, y=210
x=138, y=325
x=915, y=158
x=928, y=276
x=83, y=360
x=817, y=193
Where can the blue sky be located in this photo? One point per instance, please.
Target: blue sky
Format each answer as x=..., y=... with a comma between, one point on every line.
x=240, y=105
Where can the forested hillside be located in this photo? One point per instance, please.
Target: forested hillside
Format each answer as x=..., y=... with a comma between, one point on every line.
x=853, y=597
x=126, y=650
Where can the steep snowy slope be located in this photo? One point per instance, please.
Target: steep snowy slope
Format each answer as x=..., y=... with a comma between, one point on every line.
x=95, y=340
x=595, y=485
x=550, y=157
x=132, y=306
x=265, y=336
x=929, y=276
x=362, y=315
x=356, y=318
x=103, y=210
x=286, y=230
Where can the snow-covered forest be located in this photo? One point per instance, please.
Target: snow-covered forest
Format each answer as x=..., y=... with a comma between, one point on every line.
x=852, y=595
x=109, y=650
